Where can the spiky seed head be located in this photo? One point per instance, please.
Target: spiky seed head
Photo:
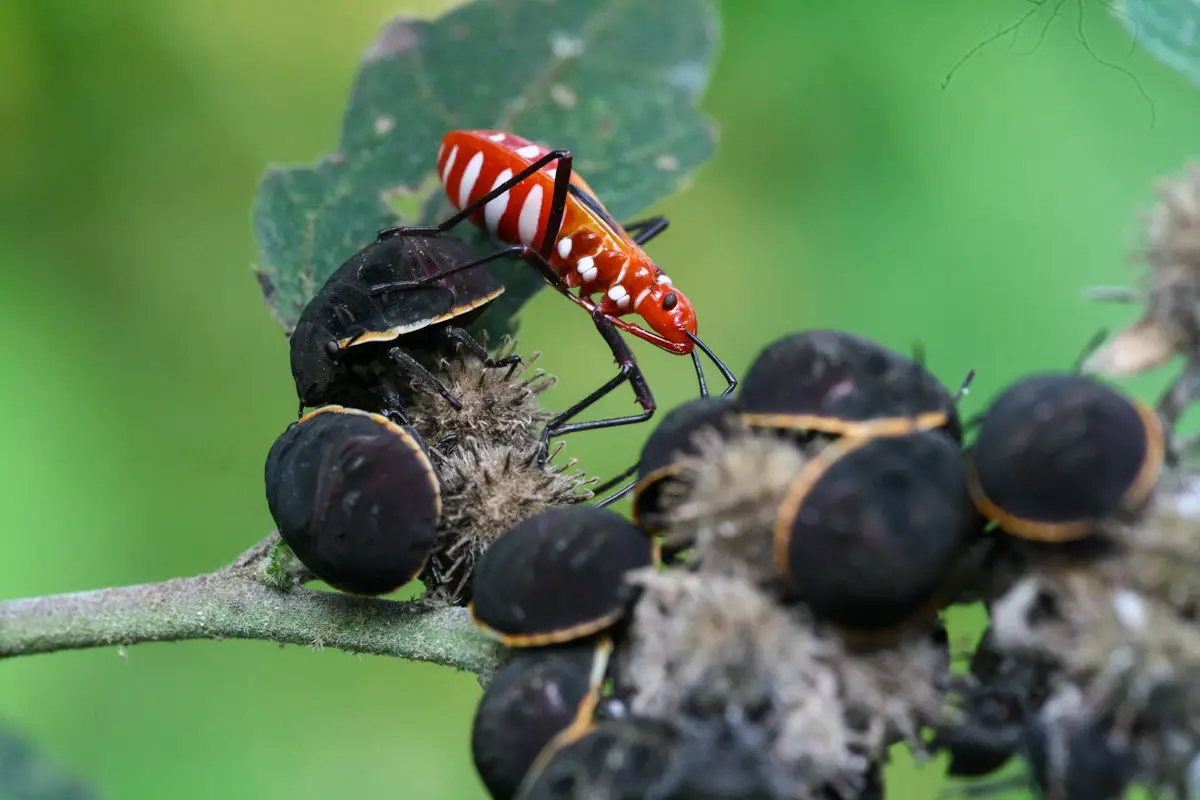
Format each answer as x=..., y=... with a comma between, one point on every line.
x=488, y=487
x=735, y=485
x=499, y=404
x=705, y=647
x=1170, y=284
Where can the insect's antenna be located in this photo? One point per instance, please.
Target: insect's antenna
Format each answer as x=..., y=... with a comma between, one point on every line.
x=1091, y=347
x=965, y=388
x=699, y=373
x=725, y=371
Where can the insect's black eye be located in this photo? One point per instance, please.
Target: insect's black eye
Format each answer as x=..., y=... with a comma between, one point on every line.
x=670, y=301
x=331, y=347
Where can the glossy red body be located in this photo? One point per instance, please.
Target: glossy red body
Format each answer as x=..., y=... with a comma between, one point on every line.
x=591, y=252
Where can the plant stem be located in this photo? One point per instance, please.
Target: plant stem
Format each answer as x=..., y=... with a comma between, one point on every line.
x=233, y=603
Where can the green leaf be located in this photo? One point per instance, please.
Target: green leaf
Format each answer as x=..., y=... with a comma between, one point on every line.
x=614, y=81
x=1168, y=29
x=27, y=775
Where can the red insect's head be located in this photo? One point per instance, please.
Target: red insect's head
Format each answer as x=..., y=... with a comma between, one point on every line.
x=669, y=313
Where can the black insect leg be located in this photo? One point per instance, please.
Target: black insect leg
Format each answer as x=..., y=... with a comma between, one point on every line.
x=413, y=369
x=475, y=348
x=628, y=371
x=644, y=230
x=562, y=175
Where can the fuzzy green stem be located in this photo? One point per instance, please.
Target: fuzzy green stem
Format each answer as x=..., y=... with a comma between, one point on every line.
x=233, y=603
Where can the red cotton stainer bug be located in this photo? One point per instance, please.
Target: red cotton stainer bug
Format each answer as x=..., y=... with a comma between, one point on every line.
x=525, y=195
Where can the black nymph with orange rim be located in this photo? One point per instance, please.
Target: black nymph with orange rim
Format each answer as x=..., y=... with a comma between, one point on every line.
x=355, y=497
x=871, y=529
x=559, y=576
x=539, y=697
x=837, y=383
x=383, y=308
x=1057, y=453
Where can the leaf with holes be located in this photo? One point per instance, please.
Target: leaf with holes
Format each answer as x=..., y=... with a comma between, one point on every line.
x=1168, y=29
x=614, y=81
x=26, y=775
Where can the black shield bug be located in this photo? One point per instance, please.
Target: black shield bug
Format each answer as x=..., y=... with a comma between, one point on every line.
x=1057, y=453
x=870, y=529
x=660, y=458
x=384, y=306
x=355, y=497
x=837, y=383
x=558, y=576
x=538, y=696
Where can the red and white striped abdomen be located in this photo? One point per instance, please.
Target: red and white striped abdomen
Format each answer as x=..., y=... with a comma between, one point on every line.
x=588, y=251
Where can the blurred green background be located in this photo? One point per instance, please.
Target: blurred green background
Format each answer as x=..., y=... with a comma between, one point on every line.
x=144, y=380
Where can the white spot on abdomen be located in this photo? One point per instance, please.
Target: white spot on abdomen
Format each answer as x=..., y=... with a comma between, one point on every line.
x=496, y=137
x=495, y=208
x=531, y=212
x=529, y=151
x=449, y=166
x=441, y=150
x=564, y=247
x=470, y=175
x=586, y=267
x=619, y=296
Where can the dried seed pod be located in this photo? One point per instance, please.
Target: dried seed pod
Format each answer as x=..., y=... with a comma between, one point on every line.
x=838, y=383
x=661, y=461
x=714, y=654
x=871, y=530
x=1170, y=287
x=496, y=404
x=537, y=696
x=736, y=484
x=355, y=497
x=559, y=575
x=1057, y=453
x=488, y=488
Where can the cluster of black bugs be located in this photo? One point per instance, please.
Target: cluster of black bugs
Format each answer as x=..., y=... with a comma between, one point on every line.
x=768, y=625
x=423, y=446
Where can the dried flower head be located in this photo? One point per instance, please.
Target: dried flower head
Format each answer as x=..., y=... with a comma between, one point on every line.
x=707, y=648
x=734, y=489
x=1170, y=285
x=1130, y=665
x=896, y=690
x=1161, y=548
x=489, y=487
x=499, y=404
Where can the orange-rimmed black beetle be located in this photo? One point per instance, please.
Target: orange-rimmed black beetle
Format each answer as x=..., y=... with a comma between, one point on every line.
x=837, y=383
x=539, y=697
x=355, y=497
x=871, y=529
x=1057, y=453
x=559, y=576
